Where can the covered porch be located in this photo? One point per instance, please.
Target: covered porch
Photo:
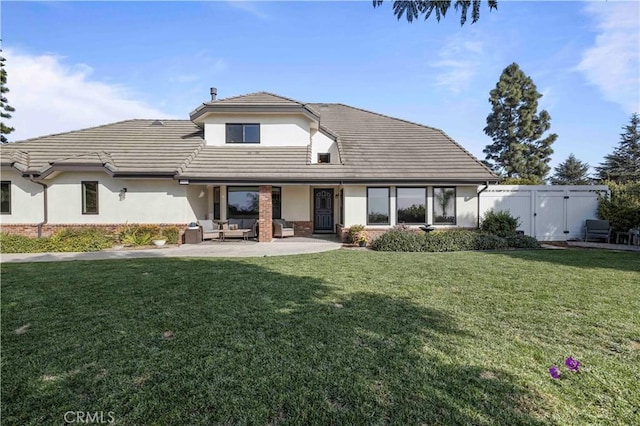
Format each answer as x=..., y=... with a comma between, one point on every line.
x=312, y=209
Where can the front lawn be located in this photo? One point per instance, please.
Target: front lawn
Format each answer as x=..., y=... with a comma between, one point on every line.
x=344, y=337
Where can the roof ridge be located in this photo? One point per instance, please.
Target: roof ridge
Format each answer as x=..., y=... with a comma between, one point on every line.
x=183, y=166
x=262, y=92
x=424, y=126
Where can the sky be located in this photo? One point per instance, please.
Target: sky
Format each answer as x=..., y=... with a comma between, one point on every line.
x=73, y=65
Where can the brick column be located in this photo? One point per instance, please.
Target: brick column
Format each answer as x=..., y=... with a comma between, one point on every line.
x=265, y=233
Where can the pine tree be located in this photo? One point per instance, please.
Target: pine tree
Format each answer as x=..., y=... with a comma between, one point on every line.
x=571, y=172
x=518, y=149
x=5, y=109
x=623, y=165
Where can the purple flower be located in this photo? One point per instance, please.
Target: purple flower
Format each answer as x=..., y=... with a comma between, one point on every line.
x=554, y=371
x=572, y=364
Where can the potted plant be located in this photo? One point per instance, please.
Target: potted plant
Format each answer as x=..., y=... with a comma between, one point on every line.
x=361, y=238
x=159, y=240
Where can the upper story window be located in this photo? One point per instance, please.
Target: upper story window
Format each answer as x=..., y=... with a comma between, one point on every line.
x=243, y=133
x=5, y=204
x=89, y=197
x=324, y=158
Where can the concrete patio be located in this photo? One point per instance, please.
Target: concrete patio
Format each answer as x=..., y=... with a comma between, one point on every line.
x=228, y=248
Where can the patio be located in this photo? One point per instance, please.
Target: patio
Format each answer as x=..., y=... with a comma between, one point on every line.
x=214, y=248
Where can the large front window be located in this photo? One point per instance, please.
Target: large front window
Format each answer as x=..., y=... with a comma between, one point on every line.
x=243, y=133
x=444, y=206
x=243, y=202
x=377, y=206
x=5, y=201
x=89, y=197
x=411, y=205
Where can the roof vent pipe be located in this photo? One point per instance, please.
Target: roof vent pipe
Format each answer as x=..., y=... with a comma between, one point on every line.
x=214, y=93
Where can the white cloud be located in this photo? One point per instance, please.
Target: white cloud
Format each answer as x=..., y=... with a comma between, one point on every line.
x=250, y=7
x=51, y=96
x=456, y=74
x=613, y=62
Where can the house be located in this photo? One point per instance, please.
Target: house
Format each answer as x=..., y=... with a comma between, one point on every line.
x=324, y=167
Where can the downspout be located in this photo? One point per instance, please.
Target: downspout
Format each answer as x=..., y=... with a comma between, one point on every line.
x=486, y=186
x=46, y=205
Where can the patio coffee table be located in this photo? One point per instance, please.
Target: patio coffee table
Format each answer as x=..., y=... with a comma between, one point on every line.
x=244, y=233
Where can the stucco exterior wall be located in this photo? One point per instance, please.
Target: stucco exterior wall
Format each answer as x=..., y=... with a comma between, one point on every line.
x=296, y=203
x=146, y=201
x=275, y=130
x=26, y=200
x=355, y=205
x=321, y=143
x=467, y=206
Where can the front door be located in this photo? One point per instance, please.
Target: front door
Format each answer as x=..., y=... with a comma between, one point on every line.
x=323, y=210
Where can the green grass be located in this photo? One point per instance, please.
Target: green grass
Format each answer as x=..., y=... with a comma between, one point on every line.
x=345, y=337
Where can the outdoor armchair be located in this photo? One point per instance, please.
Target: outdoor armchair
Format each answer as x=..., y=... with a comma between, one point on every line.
x=282, y=228
x=597, y=229
x=210, y=230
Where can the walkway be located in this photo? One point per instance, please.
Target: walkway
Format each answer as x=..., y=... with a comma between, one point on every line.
x=622, y=247
x=233, y=248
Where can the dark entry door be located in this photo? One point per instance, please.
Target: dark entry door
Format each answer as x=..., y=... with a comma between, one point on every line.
x=323, y=210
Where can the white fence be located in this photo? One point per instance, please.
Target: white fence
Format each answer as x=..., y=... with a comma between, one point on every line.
x=549, y=213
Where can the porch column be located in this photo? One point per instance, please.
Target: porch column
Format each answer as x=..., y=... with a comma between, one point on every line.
x=264, y=218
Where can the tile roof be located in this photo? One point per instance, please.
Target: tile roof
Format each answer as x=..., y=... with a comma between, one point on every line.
x=372, y=147
x=133, y=146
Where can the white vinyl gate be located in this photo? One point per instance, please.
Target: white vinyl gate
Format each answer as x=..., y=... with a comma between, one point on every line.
x=549, y=213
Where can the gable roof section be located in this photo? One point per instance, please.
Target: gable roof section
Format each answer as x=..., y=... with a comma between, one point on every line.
x=133, y=147
x=260, y=102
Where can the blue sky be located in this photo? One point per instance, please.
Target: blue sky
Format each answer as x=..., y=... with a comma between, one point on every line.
x=74, y=64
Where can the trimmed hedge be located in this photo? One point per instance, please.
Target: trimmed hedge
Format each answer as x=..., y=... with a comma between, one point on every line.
x=439, y=241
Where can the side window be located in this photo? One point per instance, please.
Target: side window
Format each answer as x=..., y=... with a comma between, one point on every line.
x=5, y=197
x=89, y=197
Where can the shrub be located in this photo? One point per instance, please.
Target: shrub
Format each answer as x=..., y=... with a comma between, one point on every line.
x=622, y=207
x=10, y=243
x=490, y=242
x=499, y=223
x=81, y=239
x=398, y=239
x=63, y=240
x=172, y=234
x=353, y=232
x=456, y=240
x=138, y=235
x=522, y=241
